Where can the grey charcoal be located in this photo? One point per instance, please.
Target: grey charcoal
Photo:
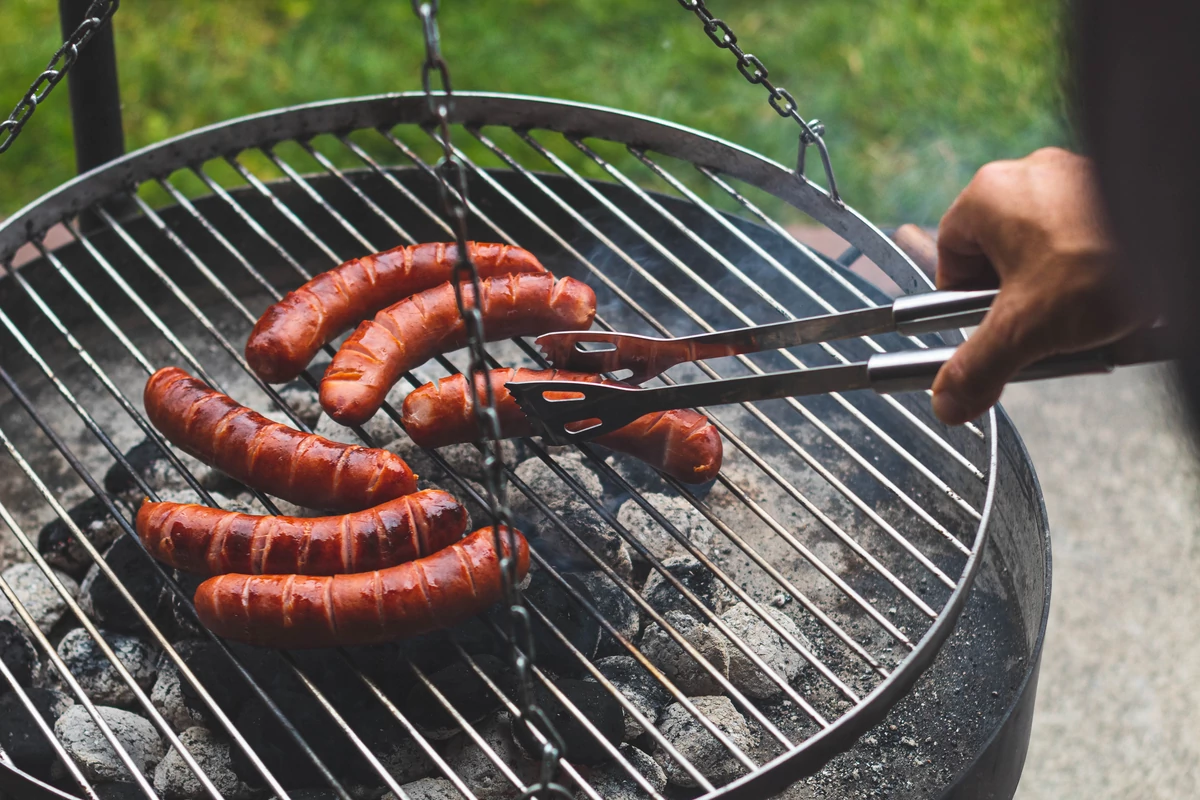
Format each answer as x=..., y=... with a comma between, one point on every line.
x=303, y=400
x=478, y=771
x=98, y=676
x=428, y=789
x=677, y=511
x=616, y=606
x=768, y=645
x=37, y=594
x=167, y=694
x=633, y=681
x=698, y=746
x=613, y=781
x=570, y=507
x=175, y=780
x=695, y=577
x=686, y=672
x=403, y=758
x=82, y=739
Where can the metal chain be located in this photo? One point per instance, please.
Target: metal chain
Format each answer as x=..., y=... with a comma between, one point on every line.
x=452, y=191
x=97, y=14
x=753, y=70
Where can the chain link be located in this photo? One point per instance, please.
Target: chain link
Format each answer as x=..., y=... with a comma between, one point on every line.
x=452, y=191
x=780, y=99
x=97, y=14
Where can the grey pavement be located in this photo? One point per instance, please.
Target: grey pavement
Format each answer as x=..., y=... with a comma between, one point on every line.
x=1118, y=708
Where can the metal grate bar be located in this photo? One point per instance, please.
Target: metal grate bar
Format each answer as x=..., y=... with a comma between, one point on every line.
x=824, y=519
x=758, y=250
x=862, y=461
x=142, y=698
x=253, y=180
x=30, y=709
x=320, y=158
x=814, y=463
x=65, y=673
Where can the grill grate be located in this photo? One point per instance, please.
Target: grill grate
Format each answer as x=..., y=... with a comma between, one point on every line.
x=862, y=510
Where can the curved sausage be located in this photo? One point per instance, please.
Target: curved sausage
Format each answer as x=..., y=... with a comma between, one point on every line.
x=681, y=443
x=434, y=592
x=290, y=332
x=303, y=468
x=209, y=541
x=427, y=324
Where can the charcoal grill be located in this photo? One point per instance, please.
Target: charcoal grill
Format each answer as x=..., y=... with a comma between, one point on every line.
x=864, y=519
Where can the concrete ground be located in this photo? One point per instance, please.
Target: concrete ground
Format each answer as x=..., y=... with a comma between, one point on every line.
x=1118, y=707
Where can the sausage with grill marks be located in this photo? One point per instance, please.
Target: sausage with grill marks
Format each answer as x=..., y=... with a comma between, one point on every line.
x=427, y=324
x=209, y=541
x=291, y=331
x=299, y=611
x=302, y=468
x=682, y=443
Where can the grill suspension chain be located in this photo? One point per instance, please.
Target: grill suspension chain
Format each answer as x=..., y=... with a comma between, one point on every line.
x=452, y=192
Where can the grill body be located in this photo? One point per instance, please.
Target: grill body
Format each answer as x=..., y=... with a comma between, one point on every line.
x=195, y=301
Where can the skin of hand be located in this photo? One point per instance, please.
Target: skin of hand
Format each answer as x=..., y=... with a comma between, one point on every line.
x=1036, y=228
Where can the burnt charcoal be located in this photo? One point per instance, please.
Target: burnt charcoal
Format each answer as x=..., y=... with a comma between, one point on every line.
x=18, y=653
x=612, y=782
x=476, y=768
x=568, y=506
x=181, y=615
x=693, y=741
x=302, y=400
x=387, y=739
x=60, y=547
x=280, y=753
x=617, y=607
x=638, y=686
x=134, y=570
x=697, y=578
x=82, y=739
x=217, y=675
x=568, y=616
x=386, y=665
x=768, y=645
x=21, y=737
x=595, y=704
x=427, y=789
x=167, y=694
x=119, y=790
x=37, y=594
x=463, y=688
x=148, y=460
x=175, y=780
x=98, y=676
x=677, y=664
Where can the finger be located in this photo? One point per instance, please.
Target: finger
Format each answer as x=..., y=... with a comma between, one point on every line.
x=962, y=251
x=971, y=381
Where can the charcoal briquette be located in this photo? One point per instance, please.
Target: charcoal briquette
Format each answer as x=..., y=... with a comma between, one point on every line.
x=463, y=688
x=135, y=571
x=18, y=654
x=568, y=616
x=20, y=735
x=594, y=704
x=59, y=544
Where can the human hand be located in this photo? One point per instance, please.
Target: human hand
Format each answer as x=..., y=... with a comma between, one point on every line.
x=1036, y=228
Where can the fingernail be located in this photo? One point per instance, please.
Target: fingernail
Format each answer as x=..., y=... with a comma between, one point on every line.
x=949, y=408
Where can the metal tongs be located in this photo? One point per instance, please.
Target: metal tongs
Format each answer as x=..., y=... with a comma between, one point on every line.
x=578, y=411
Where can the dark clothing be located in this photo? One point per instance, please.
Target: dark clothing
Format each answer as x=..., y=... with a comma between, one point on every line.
x=1136, y=67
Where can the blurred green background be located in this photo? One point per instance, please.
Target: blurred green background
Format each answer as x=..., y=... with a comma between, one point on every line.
x=916, y=94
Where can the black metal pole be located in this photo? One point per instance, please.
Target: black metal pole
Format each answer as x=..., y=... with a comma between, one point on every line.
x=95, y=94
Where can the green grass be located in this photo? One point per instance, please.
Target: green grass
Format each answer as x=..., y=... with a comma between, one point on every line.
x=916, y=94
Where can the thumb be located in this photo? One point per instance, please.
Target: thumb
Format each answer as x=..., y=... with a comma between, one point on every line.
x=971, y=381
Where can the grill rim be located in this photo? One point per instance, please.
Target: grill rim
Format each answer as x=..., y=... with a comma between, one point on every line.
x=147, y=165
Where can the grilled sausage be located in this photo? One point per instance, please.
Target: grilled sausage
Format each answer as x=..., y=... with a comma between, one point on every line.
x=427, y=324
x=290, y=333
x=303, y=468
x=434, y=592
x=209, y=541
x=681, y=443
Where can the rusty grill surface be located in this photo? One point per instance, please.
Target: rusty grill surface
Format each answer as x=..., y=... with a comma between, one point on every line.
x=855, y=517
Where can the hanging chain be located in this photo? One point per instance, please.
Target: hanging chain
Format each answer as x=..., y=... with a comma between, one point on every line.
x=753, y=70
x=452, y=191
x=97, y=14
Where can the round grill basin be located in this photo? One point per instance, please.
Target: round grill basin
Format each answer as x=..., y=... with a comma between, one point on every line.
x=929, y=741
